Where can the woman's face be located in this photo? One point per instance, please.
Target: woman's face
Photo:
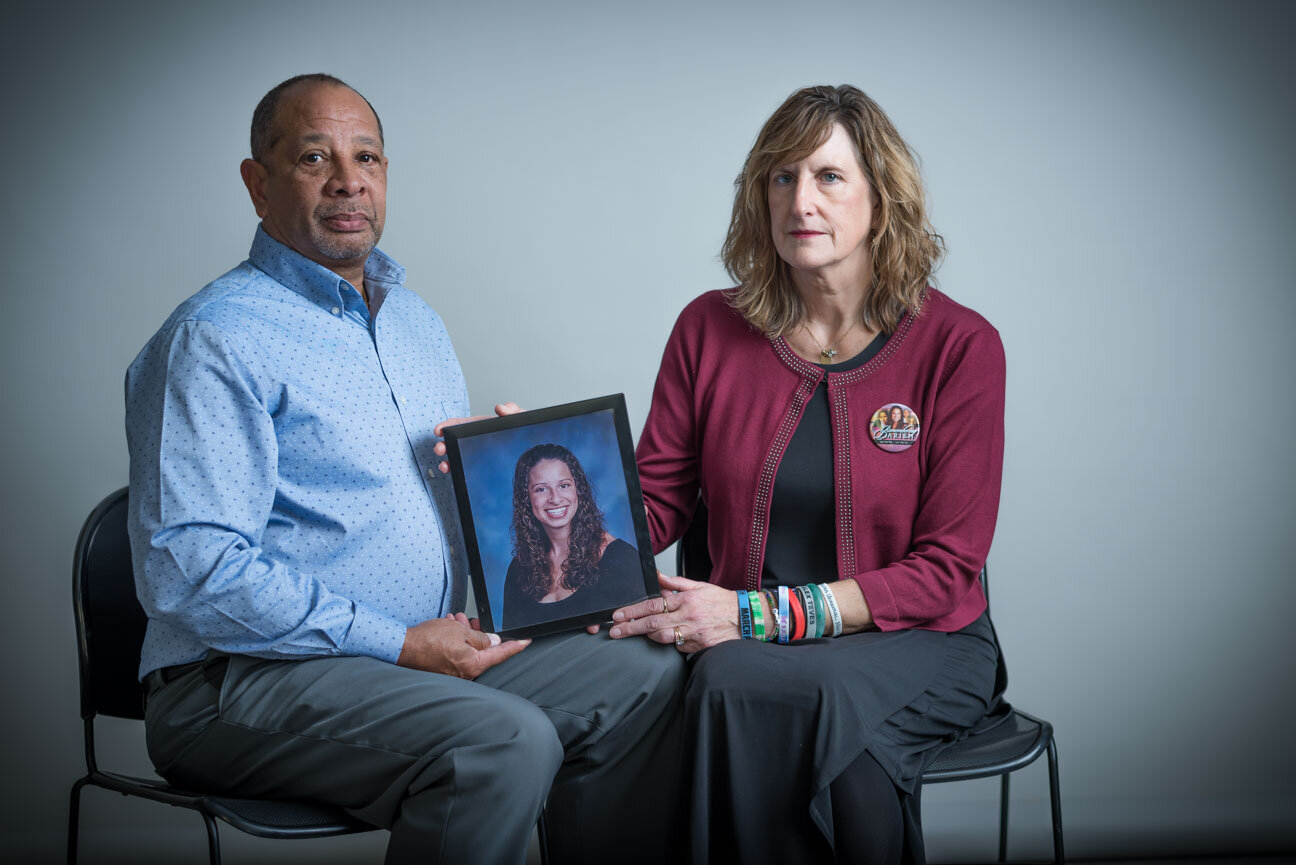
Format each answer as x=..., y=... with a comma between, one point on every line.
x=553, y=493
x=897, y=417
x=821, y=210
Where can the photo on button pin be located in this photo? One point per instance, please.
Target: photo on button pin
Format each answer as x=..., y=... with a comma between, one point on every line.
x=895, y=427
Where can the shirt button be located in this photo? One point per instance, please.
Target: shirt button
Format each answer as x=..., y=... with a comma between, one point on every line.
x=432, y=473
x=403, y=400
x=337, y=311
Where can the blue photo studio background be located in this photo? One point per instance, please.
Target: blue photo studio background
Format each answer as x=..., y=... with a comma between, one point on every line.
x=488, y=463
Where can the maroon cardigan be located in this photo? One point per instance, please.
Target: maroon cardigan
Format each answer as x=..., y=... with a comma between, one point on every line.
x=913, y=527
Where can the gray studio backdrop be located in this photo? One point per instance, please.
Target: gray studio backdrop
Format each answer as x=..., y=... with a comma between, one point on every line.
x=1115, y=186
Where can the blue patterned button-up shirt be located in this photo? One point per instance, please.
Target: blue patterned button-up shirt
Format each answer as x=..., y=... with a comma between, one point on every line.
x=285, y=500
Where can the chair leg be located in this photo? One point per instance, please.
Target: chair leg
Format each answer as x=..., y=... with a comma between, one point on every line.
x=213, y=840
x=1055, y=799
x=74, y=820
x=1003, y=817
x=542, y=833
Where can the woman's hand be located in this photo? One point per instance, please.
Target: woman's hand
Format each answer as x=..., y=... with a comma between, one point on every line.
x=690, y=614
x=501, y=409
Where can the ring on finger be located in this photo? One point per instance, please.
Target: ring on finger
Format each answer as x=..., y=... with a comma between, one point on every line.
x=665, y=606
x=679, y=638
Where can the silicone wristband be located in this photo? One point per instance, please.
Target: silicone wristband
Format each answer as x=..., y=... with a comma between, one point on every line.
x=811, y=620
x=758, y=618
x=821, y=608
x=797, y=609
x=744, y=615
x=833, y=610
x=783, y=614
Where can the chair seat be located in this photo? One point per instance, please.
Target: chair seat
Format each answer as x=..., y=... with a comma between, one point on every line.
x=267, y=818
x=299, y=819
x=1015, y=742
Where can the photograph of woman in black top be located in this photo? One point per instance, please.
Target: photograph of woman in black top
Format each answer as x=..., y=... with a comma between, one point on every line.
x=565, y=562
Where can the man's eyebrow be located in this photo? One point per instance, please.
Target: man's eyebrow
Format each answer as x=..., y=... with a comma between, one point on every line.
x=319, y=137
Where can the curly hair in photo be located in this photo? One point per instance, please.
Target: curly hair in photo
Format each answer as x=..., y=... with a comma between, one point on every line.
x=530, y=542
x=905, y=249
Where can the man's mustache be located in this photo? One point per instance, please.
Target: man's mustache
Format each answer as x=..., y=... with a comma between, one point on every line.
x=326, y=212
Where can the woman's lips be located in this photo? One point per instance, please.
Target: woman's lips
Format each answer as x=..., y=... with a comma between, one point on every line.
x=805, y=233
x=557, y=513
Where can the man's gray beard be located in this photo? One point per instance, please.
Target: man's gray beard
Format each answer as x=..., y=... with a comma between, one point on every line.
x=343, y=251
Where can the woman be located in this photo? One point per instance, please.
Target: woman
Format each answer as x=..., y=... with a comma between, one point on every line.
x=763, y=407
x=564, y=561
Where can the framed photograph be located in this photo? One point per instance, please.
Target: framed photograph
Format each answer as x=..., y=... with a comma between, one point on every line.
x=552, y=515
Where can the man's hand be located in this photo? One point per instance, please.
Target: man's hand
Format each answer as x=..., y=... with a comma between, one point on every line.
x=501, y=409
x=462, y=618
x=452, y=647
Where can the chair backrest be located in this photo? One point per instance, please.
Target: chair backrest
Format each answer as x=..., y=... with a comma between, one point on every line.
x=110, y=622
x=692, y=556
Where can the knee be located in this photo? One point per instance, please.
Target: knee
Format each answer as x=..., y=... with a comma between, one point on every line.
x=722, y=664
x=647, y=683
x=657, y=671
x=514, y=743
x=727, y=668
x=490, y=744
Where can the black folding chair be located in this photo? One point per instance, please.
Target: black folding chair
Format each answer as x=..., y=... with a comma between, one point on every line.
x=110, y=631
x=1012, y=743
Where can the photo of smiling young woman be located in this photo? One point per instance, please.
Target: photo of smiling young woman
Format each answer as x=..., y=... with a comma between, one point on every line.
x=565, y=562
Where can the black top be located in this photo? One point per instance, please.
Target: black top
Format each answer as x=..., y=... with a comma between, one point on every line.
x=802, y=543
x=620, y=581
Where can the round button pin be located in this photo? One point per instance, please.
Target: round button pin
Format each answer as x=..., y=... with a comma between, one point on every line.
x=895, y=427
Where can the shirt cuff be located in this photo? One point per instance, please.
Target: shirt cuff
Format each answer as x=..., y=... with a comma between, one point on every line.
x=374, y=635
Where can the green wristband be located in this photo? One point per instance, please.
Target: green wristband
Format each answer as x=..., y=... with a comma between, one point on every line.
x=772, y=633
x=821, y=609
x=758, y=618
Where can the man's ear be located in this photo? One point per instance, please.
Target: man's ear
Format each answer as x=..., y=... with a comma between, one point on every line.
x=254, y=178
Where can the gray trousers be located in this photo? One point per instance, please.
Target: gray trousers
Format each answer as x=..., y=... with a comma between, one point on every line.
x=458, y=771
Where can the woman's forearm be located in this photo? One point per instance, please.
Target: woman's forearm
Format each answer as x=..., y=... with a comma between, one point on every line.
x=854, y=609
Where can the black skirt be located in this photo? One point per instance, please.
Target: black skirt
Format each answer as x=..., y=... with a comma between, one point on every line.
x=768, y=728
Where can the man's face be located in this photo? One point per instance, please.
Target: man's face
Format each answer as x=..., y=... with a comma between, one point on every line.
x=322, y=188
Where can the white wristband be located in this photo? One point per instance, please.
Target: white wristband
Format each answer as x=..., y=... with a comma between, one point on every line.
x=832, y=609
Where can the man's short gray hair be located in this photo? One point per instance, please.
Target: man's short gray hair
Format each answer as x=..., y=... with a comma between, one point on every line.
x=263, y=117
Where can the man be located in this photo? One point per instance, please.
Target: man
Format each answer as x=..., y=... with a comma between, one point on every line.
x=300, y=560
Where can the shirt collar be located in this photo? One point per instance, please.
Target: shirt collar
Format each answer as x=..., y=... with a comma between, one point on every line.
x=317, y=283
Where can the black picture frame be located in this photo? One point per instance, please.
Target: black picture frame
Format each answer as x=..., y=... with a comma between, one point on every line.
x=484, y=458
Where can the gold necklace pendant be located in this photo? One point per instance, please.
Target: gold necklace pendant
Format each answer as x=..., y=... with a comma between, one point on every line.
x=826, y=352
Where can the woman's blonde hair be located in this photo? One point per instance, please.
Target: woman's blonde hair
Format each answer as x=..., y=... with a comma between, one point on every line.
x=905, y=249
